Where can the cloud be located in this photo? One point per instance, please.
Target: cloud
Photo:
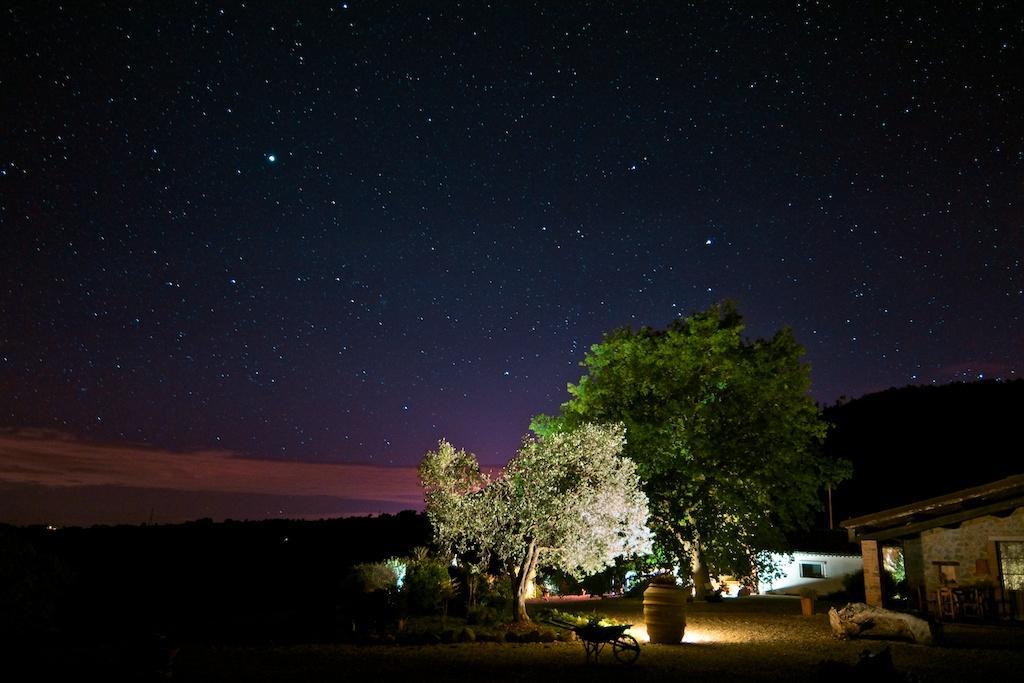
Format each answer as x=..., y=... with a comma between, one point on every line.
x=34, y=459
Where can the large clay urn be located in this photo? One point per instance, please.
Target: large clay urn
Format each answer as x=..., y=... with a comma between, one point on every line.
x=665, y=611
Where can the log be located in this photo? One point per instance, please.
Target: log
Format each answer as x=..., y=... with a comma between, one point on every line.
x=858, y=620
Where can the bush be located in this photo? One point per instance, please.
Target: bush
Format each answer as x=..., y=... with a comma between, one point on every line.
x=495, y=592
x=426, y=584
x=374, y=576
x=30, y=585
x=853, y=586
x=481, y=615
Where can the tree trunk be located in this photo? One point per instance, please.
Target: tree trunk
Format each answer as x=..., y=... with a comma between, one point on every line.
x=521, y=576
x=692, y=551
x=472, y=583
x=699, y=568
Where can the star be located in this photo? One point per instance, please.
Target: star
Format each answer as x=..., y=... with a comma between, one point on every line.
x=401, y=251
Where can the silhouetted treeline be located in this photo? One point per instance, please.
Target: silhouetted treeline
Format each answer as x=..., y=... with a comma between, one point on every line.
x=276, y=580
x=917, y=442
x=285, y=580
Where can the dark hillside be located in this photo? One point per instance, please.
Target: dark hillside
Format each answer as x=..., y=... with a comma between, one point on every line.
x=279, y=580
x=917, y=442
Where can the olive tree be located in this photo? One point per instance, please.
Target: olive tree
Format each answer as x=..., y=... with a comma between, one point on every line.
x=566, y=500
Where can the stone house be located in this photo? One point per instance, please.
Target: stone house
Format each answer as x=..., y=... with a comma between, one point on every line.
x=963, y=553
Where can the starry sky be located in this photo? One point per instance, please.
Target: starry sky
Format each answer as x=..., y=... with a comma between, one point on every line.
x=332, y=233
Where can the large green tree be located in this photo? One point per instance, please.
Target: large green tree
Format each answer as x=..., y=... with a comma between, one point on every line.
x=723, y=432
x=566, y=500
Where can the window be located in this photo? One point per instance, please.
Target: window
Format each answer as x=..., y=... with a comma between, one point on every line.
x=812, y=570
x=1011, y=564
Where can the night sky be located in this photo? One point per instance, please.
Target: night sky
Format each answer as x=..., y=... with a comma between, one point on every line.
x=333, y=233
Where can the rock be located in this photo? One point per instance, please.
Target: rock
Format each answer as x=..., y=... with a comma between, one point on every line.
x=858, y=620
x=567, y=636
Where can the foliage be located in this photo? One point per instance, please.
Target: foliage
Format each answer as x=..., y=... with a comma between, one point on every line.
x=665, y=579
x=616, y=578
x=892, y=562
x=566, y=500
x=577, y=618
x=853, y=586
x=769, y=567
x=494, y=592
x=894, y=575
x=427, y=584
x=481, y=614
x=399, y=566
x=454, y=484
x=374, y=576
x=722, y=430
x=30, y=584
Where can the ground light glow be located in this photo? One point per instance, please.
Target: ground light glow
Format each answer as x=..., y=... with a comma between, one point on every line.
x=692, y=636
x=695, y=636
x=639, y=632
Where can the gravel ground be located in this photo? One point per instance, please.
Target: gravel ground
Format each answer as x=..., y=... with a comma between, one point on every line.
x=754, y=639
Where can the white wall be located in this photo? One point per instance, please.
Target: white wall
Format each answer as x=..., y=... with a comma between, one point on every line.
x=835, y=568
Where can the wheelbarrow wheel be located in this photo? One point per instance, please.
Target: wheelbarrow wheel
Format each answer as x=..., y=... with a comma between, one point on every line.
x=626, y=649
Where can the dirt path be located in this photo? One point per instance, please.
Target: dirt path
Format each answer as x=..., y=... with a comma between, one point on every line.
x=750, y=640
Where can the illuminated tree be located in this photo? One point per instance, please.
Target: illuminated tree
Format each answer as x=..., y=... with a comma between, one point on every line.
x=566, y=500
x=722, y=430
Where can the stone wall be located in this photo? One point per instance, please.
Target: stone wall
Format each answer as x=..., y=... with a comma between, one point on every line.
x=966, y=545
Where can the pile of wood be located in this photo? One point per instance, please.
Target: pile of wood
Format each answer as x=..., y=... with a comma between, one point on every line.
x=858, y=620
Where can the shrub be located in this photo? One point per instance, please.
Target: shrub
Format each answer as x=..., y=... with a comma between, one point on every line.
x=481, y=615
x=495, y=592
x=30, y=584
x=427, y=584
x=372, y=599
x=853, y=585
x=374, y=576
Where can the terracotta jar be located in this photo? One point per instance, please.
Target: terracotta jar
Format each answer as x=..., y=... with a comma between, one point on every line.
x=665, y=613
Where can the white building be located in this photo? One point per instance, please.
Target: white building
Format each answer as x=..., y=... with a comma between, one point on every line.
x=801, y=569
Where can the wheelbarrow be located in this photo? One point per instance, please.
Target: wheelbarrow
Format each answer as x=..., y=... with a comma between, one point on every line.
x=625, y=648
